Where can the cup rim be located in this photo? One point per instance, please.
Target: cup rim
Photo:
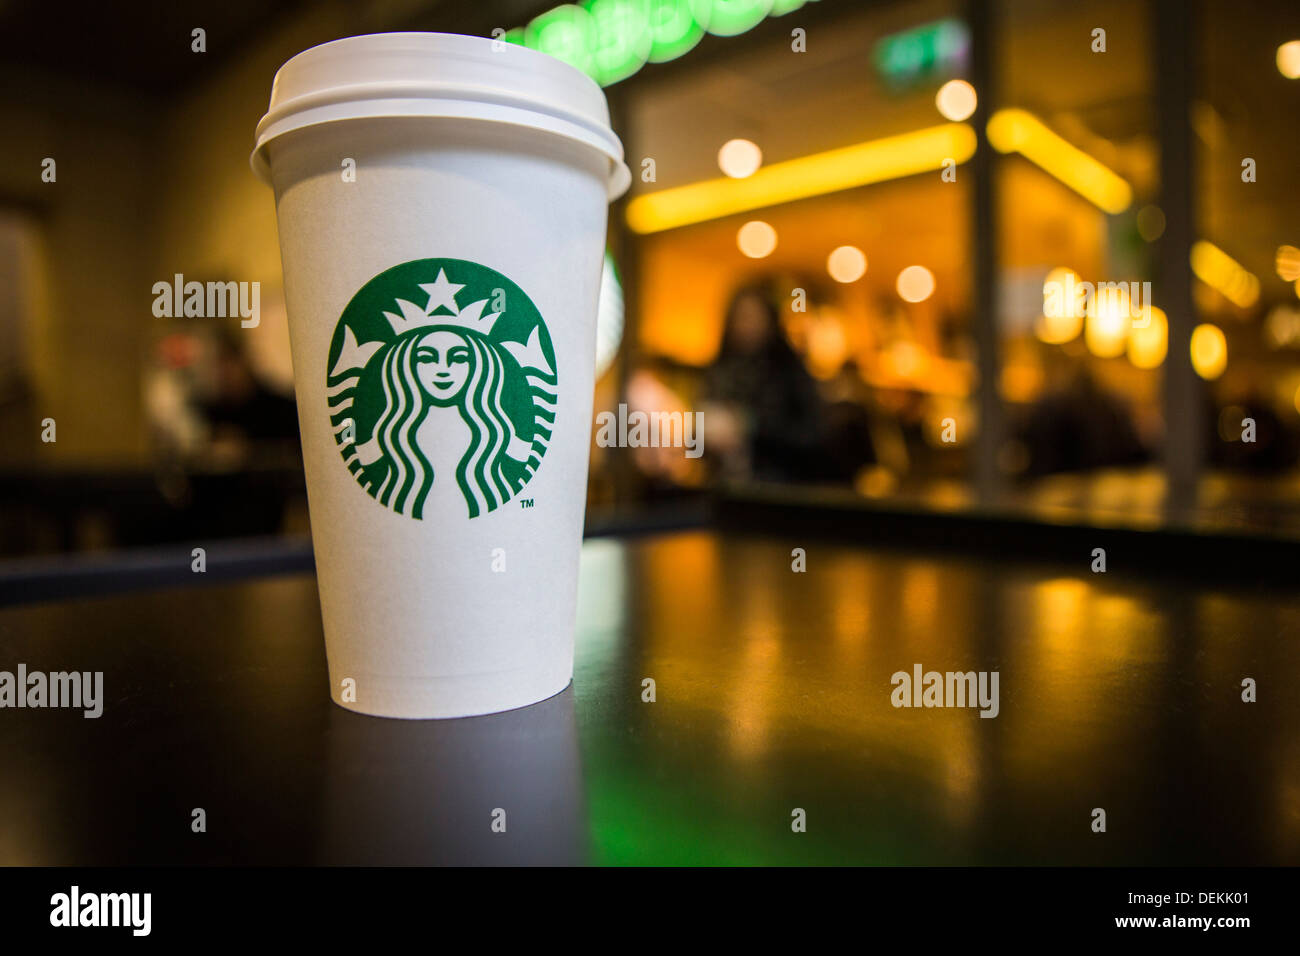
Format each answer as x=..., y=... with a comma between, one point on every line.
x=354, y=97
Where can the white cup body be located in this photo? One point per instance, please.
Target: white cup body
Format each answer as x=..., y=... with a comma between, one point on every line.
x=445, y=615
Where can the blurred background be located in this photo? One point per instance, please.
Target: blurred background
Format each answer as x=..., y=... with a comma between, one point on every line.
x=845, y=224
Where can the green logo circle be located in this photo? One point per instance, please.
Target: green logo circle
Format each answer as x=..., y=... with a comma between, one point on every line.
x=441, y=368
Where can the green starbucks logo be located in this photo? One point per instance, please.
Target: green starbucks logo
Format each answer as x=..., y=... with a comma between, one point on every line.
x=463, y=387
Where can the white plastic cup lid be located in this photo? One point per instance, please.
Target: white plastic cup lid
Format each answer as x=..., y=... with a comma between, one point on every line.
x=444, y=75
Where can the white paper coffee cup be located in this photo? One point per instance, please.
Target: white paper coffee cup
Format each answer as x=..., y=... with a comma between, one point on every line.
x=442, y=208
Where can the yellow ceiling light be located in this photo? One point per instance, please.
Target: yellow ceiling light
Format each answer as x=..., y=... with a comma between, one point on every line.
x=1224, y=274
x=1019, y=131
x=859, y=165
x=756, y=239
x=1148, y=344
x=846, y=264
x=956, y=100
x=1209, y=351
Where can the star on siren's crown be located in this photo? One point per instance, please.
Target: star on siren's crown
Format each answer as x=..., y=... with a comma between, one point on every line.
x=440, y=296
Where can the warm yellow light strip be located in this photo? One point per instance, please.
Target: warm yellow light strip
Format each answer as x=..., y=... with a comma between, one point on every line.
x=1019, y=131
x=859, y=165
x=1220, y=271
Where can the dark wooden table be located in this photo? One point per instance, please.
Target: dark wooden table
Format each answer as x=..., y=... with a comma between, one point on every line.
x=772, y=694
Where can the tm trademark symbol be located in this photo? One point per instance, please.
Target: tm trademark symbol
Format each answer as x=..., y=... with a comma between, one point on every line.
x=525, y=502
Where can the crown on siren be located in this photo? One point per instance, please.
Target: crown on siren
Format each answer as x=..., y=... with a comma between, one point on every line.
x=442, y=295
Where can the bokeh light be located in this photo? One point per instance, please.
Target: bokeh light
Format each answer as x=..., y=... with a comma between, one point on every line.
x=1109, y=319
x=739, y=158
x=846, y=264
x=1288, y=59
x=1282, y=327
x=1224, y=274
x=827, y=345
x=1288, y=263
x=1209, y=351
x=1151, y=223
x=915, y=284
x=756, y=239
x=1231, y=421
x=1062, y=318
x=1147, y=345
x=956, y=100
x=905, y=359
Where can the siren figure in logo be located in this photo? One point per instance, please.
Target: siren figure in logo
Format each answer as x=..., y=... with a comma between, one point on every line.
x=446, y=399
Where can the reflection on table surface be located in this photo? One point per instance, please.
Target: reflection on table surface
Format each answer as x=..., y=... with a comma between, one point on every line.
x=772, y=693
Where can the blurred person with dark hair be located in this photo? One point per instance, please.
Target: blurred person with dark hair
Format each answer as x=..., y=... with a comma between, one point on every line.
x=850, y=445
x=763, y=417
x=239, y=408
x=1080, y=426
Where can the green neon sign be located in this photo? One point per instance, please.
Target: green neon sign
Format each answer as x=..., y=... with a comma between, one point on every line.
x=674, y=29
x=932, y=49
x=620, y=38
x=609, y=40
x=729, y=18
x=564, y=33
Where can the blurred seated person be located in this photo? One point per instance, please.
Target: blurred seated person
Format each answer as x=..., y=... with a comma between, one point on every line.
x=226, y=452
x=242, y=412
x=1079, y=426
x=1271, y=445
x=850, y=444
x=665, y=468
x=763, y=417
